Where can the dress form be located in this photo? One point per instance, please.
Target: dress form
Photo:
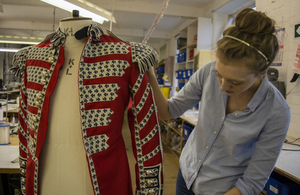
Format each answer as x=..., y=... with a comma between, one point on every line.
x=63, y=164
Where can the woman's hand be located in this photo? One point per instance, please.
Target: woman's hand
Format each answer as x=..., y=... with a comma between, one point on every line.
x=233, y=191
x=150, y=73
x=160, y=100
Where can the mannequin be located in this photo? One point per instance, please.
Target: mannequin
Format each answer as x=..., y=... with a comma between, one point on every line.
x=72, y=102
x=63, y=164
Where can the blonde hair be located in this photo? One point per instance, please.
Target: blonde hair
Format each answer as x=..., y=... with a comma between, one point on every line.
x=256, y=29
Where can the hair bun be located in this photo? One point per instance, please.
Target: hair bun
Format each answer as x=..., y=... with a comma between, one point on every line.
x=254, y=22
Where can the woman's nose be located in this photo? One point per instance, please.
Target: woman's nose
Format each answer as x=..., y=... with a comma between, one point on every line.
x=225, y=85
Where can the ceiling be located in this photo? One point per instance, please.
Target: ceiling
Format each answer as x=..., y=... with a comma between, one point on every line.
x=133, y=17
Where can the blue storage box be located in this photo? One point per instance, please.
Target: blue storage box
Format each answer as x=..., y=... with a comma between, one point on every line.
x=189, y=73
x=184, y=74
x=160, y=81
x=178, y=74
x=181, y=85
x=182, y=57
x=187, y=130
x=160, y=70
x=280, y=185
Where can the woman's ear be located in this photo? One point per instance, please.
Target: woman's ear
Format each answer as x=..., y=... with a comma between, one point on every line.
x=263, y=74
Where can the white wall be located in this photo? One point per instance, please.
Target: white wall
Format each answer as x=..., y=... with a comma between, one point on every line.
x=163, y=52
x=1, y=61
x=286, y=14
x=219, y=23
x=205, y=31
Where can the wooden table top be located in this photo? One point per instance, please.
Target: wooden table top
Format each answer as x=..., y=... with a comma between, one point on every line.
x=14, y=141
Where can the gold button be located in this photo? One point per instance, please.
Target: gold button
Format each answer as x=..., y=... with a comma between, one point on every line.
x=23, y=181
x=235, y=114
x=43, y=81
x=37, y=104
x=150, y=182
x=206, y=147
x=23, y=171
x=52, y=52
x=32, y=144
x=215, y=132
x=45, y=74
x=151, y=192
x=51, y=60
x=149, y=173
x=200, y=161
x=222, y=118
x=39, y=96
x=32, y=127
x=195, y=173
x=34, y=119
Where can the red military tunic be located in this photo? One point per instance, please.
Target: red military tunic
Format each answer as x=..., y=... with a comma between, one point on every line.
x=111, y=71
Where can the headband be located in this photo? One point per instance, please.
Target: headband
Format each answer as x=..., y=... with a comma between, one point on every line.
x=263, y=55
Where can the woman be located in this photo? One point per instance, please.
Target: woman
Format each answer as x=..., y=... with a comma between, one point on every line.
x=243, y=119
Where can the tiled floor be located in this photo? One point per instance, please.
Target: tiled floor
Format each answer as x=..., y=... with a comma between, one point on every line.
x=171, y=163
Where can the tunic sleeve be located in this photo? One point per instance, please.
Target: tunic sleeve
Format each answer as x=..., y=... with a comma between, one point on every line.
x=144, y=126
x=19, y=62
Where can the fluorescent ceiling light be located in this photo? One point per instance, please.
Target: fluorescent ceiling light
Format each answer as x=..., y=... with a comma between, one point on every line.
x=19, y=42
x=8, y=50
x=85, y=8
x=20, y=39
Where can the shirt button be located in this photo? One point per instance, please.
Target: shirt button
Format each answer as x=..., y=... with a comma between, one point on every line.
x=236, y=114
x=222, y=118
x=200, y=161
x=206, y=147
x=195, y=173
x=215, y=132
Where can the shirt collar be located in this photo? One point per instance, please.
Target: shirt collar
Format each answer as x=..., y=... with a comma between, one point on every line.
x=259, y=94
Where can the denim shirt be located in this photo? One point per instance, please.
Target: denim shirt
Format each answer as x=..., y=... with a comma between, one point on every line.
x=236, y=149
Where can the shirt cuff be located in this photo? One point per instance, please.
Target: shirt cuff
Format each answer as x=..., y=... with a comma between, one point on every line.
x=172, y=108
x=243, y=187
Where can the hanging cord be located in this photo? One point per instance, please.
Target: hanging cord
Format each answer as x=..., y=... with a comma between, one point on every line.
x=291, y=143
x=111, y=17
x=156, y=21
x=292, y=89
